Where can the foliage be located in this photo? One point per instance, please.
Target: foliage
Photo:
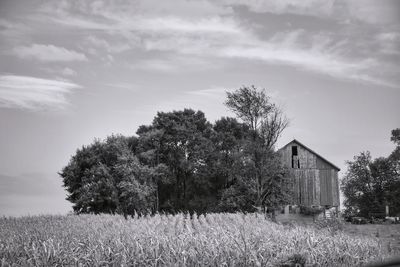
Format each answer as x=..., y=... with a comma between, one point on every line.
x=161, y=240
x=107, y=177
x=182, y=162
x=395, y=156
x=265, y=173
x=181, y=141
x=371, y=184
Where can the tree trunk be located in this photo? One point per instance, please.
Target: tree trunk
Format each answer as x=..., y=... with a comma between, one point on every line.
x=157, y=199
x=273, y=216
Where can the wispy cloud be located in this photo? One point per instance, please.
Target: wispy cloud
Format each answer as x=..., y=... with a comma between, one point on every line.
x=48, y=53
x=310, y=52
x=367, y=11
x=213, y=92
x=96, y=42
x=389, y=43
x=124, y=86
x=33, y=93
x=10, y=29
x=308, y=59
x=213, y=31
x=304, y=7
x=174, y=64
x=68, y=72
x=384, y=12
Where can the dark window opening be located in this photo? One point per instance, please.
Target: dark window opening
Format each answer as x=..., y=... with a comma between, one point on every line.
x=294, y=150
x=295, y=159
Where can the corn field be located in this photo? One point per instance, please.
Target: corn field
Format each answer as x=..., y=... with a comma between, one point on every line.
x=178, y=240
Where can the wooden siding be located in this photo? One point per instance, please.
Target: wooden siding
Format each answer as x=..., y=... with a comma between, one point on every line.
x=307, y=159
x=315, y=182
x=326, y=187
x=321, y=164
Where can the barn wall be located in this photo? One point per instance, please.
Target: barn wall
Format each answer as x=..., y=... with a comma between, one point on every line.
x=307, y=159
x=316, y=182
x=322, y=164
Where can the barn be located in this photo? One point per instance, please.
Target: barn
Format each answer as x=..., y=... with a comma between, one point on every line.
x=313, y=179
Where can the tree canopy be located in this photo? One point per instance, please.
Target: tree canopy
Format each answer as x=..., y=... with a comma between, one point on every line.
x=371, y=184
x=182, y=162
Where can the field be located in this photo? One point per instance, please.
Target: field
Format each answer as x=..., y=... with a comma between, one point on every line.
x=388, y=234
x=161, y=240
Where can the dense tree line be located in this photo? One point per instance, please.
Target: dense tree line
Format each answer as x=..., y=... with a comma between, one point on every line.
x=371, y=184
x=182, y=162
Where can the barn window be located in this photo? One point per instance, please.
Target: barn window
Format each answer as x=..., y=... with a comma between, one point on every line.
x=295, y=158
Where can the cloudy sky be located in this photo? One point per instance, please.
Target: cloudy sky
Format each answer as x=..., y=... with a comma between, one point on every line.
x=71, y=71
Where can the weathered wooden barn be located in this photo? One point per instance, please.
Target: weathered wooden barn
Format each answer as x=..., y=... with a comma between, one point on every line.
x=313, y=178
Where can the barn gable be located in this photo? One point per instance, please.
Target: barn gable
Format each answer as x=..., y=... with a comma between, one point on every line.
x=314, y=179
x=313, y=159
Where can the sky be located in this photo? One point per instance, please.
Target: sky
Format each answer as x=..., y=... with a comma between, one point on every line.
x=72, y=71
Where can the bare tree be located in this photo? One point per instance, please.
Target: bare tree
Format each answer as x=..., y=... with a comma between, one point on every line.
x=272, y=126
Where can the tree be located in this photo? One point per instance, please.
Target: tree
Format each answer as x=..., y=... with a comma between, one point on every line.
x=228, y=166
x=228, y=138
x=370, y=185
x=106, y=177
x=266, y=122
x=395, y=155
x=181, y=162
x=254, y=107
x=250, y=105
x=394, y=197
x=181, y=141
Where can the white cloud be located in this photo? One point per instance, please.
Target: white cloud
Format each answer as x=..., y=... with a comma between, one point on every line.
x=318, y=52
x=48, y=53
x=68, y=72
x=374, y=12
x=368, y=11
x=215, y=32
x=214, y=92
x=34, y=93
x=11, y=29
x=154, y=65
x=176, y=64
x=97, y=42
x=303, y=7
x=122, y=85
x=389, y=42
x=308, y=59
x=148, y=25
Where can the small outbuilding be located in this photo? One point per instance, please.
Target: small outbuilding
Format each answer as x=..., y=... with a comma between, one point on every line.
x=313, y=179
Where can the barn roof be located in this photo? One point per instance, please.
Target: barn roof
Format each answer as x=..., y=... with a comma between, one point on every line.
x=312, y=151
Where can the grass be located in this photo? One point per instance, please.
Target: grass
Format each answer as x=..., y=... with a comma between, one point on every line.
x=162, y=240
x=388, y=234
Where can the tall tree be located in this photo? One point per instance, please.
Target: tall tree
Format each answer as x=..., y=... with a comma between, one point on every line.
x=182, y=143
x=228, y=166
x=266, y=122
